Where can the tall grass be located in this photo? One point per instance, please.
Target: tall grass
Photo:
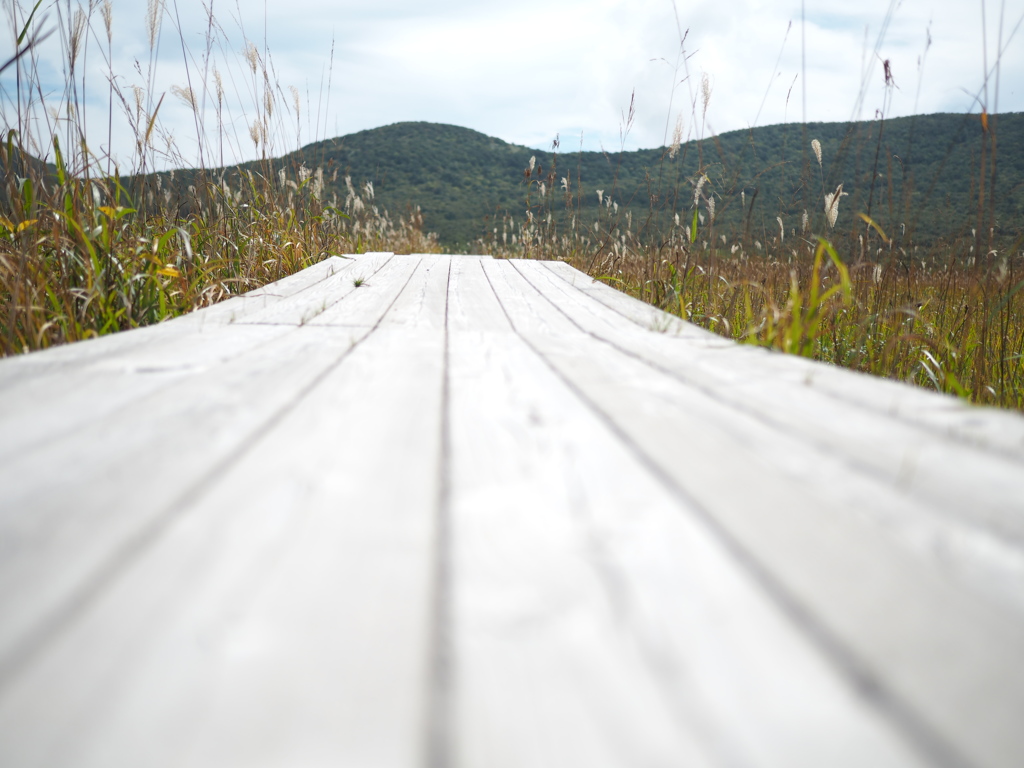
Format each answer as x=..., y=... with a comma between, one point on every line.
x=945, y=314
x=89, y=246
x=938, y=320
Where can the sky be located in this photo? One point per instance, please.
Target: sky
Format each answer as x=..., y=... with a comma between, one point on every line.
x=526, y=71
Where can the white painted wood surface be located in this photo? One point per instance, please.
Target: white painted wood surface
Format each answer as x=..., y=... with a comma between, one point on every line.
x=455, y=511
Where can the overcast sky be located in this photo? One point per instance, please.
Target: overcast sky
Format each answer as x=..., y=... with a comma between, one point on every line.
x=529, y=70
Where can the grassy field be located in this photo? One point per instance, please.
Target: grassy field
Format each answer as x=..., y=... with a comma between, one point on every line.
x=941, y=321
x=87, y=249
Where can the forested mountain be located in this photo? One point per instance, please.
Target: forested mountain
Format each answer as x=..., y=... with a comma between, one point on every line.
x=924, y=169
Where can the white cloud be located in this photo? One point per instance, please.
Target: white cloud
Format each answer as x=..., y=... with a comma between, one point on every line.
x=530, y=70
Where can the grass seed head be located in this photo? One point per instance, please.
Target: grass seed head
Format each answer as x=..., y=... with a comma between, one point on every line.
x=252, y=55
x=697, y=189
x=832, y=205
x=154, y=15
x=256, y=133
x=677, y=137
x=186, y=95
x=77, y=32
x=108, y=19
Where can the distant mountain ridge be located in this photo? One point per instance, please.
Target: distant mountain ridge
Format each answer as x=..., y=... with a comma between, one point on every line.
x=925, y=171
x=917, y=176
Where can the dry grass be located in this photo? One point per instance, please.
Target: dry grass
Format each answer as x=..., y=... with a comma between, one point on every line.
x=938, y=317
x=87, y=250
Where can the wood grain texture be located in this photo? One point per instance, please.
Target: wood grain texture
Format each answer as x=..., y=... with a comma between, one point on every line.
x=189, y=327
x=596, y=621
x=282, y=616
x=941, y=414
x=892, y=622
x=945, y=498
x=451, y=511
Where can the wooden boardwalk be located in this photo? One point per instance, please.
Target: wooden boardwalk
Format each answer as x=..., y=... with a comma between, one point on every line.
x=455, y=512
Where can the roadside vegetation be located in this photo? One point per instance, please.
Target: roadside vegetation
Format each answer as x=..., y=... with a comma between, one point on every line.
x=847, y=245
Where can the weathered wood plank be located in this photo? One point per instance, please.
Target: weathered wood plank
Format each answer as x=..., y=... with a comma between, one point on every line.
x=110, y=472
x=637, y=312
x=595, y=620
x=288, y=574
x=888, y=621
x=155, y=449
x=86, y=382
x=282, y=617
x=943, y=415
x=475, y=512
x=195, y=328
x=95, y=389
x=239, y=307
x=947, y=500
x=351, y=313
x=301, y=308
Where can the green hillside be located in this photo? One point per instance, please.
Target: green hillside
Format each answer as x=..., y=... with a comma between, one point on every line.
x=924, y=171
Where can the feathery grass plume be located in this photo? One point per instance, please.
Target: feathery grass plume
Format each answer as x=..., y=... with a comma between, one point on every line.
x=782, y=230
x=696, y=190
x=705, y=90
x=75, y=37
x=533, y=162
x=218, y=85
x=600, y=196
x=711, y=207
x=806, y=221
x=832, y=205
x=107, y=10
x=252, y=55
x=816, y=147
x=154, y=16
x=677, y=137
x=140, y=99
x=188, y=98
